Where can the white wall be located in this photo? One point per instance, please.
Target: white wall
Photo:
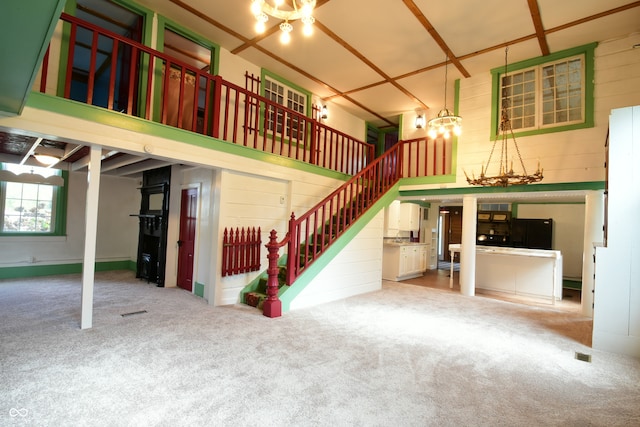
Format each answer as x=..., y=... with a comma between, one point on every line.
x=568, y=232
x=572, y=156
x=356, y=270
x=117, y=234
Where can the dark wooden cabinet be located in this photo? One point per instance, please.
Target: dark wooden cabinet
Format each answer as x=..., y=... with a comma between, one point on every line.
x=153, y=217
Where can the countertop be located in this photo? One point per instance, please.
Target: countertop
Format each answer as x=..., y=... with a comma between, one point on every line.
x=501, y=250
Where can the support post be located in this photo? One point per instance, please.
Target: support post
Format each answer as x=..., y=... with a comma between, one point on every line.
x=90, y=231
x=468, y=246
x=272, y=306
x=593, y=235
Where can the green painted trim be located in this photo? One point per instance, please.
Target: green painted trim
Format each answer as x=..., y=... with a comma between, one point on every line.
x=266, y=73
x=567, y=186
x=57, y=269
x=113, y=118
x=167, y=24
x=199, y=289
x=426, y=180
x=588, y=51
x=60, y=219
x=310, y=273
x=25, y=30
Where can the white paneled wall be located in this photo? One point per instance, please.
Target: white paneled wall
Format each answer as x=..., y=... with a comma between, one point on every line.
x=356, y=270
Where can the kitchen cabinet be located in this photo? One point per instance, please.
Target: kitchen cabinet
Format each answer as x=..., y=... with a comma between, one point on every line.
x=433, y=250
x=401, y=217
x=404, y=261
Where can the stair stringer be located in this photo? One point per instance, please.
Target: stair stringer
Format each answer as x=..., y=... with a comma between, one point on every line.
x=290, y=293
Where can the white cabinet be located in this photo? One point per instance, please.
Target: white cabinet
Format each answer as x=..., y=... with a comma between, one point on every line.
x=401, y=217
x=401, y=261
x=409, y=217
x=433, y=255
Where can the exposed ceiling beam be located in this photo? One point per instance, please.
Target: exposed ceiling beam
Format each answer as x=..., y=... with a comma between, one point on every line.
x=534, y=10
x=436, y=36
x=140, y=167
x=124, y=160
x=31, y=150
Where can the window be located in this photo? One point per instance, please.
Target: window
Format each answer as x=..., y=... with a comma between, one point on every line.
x=290, y=97
x=28, y=207
x=550, y=96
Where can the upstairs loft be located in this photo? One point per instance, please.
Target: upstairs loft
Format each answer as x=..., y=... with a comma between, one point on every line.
x=93, y=66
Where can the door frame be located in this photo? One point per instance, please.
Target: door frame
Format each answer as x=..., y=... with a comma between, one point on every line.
x=196, y=244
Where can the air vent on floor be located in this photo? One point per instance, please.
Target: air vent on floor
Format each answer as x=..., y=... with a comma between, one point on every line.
x=133, y=313
x=583, y=357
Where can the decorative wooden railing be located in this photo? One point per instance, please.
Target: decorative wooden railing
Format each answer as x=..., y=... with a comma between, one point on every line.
x=240, y=251
x=113, y=72
x=107, y=70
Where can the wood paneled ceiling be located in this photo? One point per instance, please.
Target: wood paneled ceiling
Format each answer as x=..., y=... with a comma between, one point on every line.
x=377, y=58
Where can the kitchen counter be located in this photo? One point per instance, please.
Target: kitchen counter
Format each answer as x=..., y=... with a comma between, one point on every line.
x=404, y=260
x=520, y=271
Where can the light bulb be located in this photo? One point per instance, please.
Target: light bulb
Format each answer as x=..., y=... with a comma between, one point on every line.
x=278, y=3
x=260, y=27
x=307, y=30
x=457, y=130
x=285, y=37
x=447, y=134
x=256, y=7
x=432, y=133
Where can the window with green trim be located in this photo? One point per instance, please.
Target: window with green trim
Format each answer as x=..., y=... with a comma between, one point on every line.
x=28, y=207
x=547, y=94
x=286, y=95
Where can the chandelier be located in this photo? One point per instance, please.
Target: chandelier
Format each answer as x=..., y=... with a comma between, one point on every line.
x=295, y=9
x=445, y=123
x=505, y=177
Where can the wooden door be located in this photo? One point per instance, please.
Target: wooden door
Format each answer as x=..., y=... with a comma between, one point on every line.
x=452, y=230
x=186, y=244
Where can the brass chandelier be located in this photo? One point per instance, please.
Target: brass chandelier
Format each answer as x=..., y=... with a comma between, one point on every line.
x=505, y=177
x=296, y=9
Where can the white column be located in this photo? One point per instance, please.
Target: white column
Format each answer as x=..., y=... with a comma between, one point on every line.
x=468, y=246
x=90, y=231
x=593, y=233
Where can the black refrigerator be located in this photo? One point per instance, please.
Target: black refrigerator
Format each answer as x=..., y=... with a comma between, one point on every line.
x=532, y=233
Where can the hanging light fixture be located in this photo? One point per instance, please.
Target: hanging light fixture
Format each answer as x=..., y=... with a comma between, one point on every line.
x=504, y=177
x=299, y=9
x=445, y=123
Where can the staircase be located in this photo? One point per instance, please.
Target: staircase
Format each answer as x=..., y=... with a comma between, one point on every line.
x=255, y=293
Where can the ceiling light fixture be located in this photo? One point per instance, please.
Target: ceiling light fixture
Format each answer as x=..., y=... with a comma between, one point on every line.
x=47, y=159
x=445, y=123
x=505, y=177
x=299, y=9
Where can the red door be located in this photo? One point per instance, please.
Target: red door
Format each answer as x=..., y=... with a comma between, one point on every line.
x=186, y=244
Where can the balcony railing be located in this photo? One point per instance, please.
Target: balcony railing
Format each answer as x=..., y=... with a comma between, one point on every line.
x=105, y=69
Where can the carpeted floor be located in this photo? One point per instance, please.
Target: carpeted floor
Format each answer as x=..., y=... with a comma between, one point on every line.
x=404, y=356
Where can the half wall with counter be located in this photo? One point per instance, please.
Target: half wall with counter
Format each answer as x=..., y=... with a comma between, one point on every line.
x=526, y=272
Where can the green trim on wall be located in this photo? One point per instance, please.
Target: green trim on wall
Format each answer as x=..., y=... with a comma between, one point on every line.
x=60, y=220
x=199, y=289
x=587, y=50
x=113, y=118
x=266, y=73
x=568, y=186
x=310, y=273
x=57, y=269
x=426, y=180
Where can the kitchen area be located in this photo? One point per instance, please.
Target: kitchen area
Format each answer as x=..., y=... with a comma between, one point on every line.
x=519, y=255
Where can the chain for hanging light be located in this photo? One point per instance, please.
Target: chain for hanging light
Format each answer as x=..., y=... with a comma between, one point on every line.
x=505, y=177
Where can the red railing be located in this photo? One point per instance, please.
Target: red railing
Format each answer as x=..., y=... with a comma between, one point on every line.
x=240, y=251
x=111, y=71
x=312, y=233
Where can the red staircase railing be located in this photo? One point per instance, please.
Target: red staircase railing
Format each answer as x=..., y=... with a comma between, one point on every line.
x=113, y=72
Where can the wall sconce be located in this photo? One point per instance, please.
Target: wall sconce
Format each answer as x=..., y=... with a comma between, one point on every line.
x=419, y=121
x=324, y=113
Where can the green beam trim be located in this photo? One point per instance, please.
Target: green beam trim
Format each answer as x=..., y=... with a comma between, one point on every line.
x=135, y=124
x=57, y=269
x=567, y=186
x=310, y=273
x=426, y=180
x=25, y=31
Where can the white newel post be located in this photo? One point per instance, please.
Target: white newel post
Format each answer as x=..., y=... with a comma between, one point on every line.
x=91, y=229
x=593, y=234
x=468, y=246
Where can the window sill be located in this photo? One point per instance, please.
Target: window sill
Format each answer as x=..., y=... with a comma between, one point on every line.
x=32, y=238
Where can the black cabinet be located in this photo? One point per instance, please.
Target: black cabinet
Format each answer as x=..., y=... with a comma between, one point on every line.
x=153, y=216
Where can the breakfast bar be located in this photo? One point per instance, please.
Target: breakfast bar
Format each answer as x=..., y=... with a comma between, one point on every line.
x=527, y=272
